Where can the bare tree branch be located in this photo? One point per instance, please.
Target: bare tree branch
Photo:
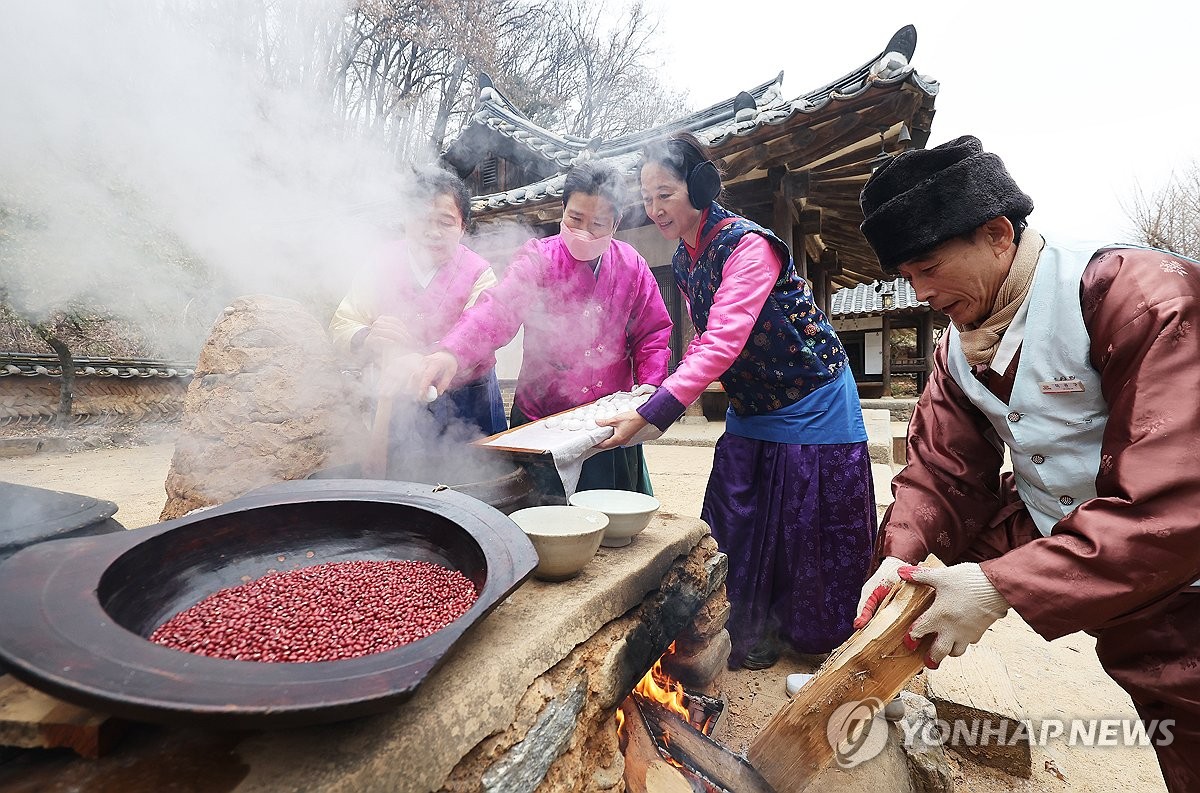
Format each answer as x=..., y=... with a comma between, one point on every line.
x=1169, y=218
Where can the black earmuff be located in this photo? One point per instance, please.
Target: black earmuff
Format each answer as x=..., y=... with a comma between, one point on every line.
x=703, y=184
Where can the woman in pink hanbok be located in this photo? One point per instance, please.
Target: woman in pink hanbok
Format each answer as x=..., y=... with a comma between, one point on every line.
x=414, y=292
x=595, y=322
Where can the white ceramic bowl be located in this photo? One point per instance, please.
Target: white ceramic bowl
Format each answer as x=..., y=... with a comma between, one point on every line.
x=566, y=538
x=628, y=512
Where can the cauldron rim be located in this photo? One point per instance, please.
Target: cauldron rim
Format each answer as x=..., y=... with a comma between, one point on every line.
x=45, y=640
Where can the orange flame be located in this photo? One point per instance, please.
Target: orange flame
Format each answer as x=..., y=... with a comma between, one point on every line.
x=658, y=686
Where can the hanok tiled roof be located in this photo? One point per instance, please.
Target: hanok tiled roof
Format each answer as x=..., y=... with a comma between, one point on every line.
x=749, y=119
x=867, y=299
x=496, y=112
x=34, y=365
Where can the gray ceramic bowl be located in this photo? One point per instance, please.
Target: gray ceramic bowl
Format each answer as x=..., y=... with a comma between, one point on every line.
x=628, y=512
x=566, y=538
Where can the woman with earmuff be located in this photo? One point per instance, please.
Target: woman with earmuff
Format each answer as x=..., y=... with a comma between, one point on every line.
x=790, y=499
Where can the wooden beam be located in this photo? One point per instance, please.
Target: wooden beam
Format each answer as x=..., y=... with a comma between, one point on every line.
x=748, y=193
x=844, y=189
x=744, y=161
x=857, y=167
x=703, y=754
x=870, y=668
x=880, y=115
x=836, y=134
x=810, y=220
x=830, y=263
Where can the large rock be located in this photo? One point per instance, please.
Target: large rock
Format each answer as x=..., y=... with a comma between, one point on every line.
x=268, y=403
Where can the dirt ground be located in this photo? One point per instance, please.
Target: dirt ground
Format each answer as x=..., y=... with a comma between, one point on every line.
x=1059, y=679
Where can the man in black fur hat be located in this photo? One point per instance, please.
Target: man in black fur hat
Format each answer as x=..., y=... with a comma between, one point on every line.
x=1084, y=363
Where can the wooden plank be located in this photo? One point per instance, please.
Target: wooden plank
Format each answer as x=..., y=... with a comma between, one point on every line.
x=30, y=719
x=871, y=667
x=748, y=159
x=375, y=457
x=486, y=443
x=976, y=689
x=703, y=754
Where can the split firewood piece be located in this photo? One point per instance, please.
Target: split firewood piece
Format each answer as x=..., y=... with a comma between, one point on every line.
x=870, y=668
x=703, y=754
x=645, y=769
x=974, y=690
x=375, y=460
x=30, y=719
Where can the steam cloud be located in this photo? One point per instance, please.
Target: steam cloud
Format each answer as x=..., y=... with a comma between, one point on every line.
x=135, y=130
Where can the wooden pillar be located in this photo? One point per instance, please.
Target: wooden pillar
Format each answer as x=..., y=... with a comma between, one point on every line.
x=783, y=212
x=816, y=277
x=887, y=355
x=925, y=340
x=799, y=255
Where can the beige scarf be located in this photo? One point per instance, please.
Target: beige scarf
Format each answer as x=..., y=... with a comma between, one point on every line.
x=979, y=344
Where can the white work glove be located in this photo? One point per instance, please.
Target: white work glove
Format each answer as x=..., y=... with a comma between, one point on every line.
x=876, y=589
x=965, y=605
x=643, y=389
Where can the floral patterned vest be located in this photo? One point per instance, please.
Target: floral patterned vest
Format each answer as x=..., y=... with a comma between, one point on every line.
x=792, y=349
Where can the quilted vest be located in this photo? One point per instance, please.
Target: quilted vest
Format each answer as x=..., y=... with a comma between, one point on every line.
x=792, y=349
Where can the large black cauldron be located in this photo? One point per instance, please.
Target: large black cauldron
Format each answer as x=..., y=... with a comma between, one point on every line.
x=77, y=612
x=503, y=485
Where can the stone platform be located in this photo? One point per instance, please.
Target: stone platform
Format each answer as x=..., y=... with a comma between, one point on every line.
x=524, y=703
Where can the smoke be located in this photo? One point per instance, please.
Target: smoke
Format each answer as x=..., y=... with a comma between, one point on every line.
x=154, y=153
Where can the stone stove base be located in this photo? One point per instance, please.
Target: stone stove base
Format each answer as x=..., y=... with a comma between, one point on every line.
x=525, y=703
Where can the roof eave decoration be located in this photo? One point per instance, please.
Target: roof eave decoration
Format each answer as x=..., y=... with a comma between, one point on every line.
x=728, y=127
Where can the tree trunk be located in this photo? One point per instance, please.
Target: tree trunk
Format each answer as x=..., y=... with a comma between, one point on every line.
x=449, y=93
x=66, y=386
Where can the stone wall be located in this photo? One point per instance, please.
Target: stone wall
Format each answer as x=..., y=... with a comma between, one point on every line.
x=34, y=399
x=564, y=735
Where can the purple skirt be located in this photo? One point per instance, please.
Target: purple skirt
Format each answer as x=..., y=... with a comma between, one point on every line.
x=798, y=524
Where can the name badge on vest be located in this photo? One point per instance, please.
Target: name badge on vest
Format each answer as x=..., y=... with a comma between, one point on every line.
x=1064, y=385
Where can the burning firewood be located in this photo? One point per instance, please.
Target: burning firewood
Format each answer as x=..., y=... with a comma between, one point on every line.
x=645, y=769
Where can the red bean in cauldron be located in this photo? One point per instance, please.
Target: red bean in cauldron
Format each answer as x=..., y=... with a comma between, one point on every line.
x=327, y=612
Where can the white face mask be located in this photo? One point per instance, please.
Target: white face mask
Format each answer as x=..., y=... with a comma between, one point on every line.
x=582, y=245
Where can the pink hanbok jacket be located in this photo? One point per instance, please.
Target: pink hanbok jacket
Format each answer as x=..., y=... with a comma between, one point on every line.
x=586, y=336
x=390, y=287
